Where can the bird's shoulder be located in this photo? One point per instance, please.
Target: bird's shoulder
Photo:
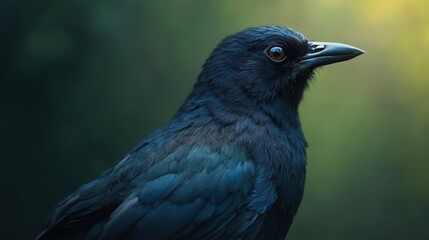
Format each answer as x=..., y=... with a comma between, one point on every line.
x=195, y=179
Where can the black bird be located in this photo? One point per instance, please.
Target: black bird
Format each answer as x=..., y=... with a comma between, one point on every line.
x=231, y=162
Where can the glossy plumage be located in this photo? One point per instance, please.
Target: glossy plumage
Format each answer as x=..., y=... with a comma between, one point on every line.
x=229, y=165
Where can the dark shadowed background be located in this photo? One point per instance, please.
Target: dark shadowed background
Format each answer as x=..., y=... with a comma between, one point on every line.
x=82, y=81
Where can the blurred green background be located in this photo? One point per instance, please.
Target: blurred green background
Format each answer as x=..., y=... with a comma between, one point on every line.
x=82, y=81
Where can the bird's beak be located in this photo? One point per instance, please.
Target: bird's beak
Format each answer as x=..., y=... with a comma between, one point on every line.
x=324, y=53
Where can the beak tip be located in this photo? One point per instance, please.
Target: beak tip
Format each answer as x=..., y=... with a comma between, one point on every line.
x=359, y=52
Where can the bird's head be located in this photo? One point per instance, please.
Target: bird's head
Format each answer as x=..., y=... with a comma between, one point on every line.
x=264, y=64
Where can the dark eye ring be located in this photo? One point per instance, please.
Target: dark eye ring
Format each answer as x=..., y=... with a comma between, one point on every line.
x=276, y=53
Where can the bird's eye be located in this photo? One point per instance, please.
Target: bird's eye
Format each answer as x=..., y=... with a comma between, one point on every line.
x=276, y=54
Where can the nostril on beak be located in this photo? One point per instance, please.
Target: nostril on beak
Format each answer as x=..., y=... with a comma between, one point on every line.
x=316, y=48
